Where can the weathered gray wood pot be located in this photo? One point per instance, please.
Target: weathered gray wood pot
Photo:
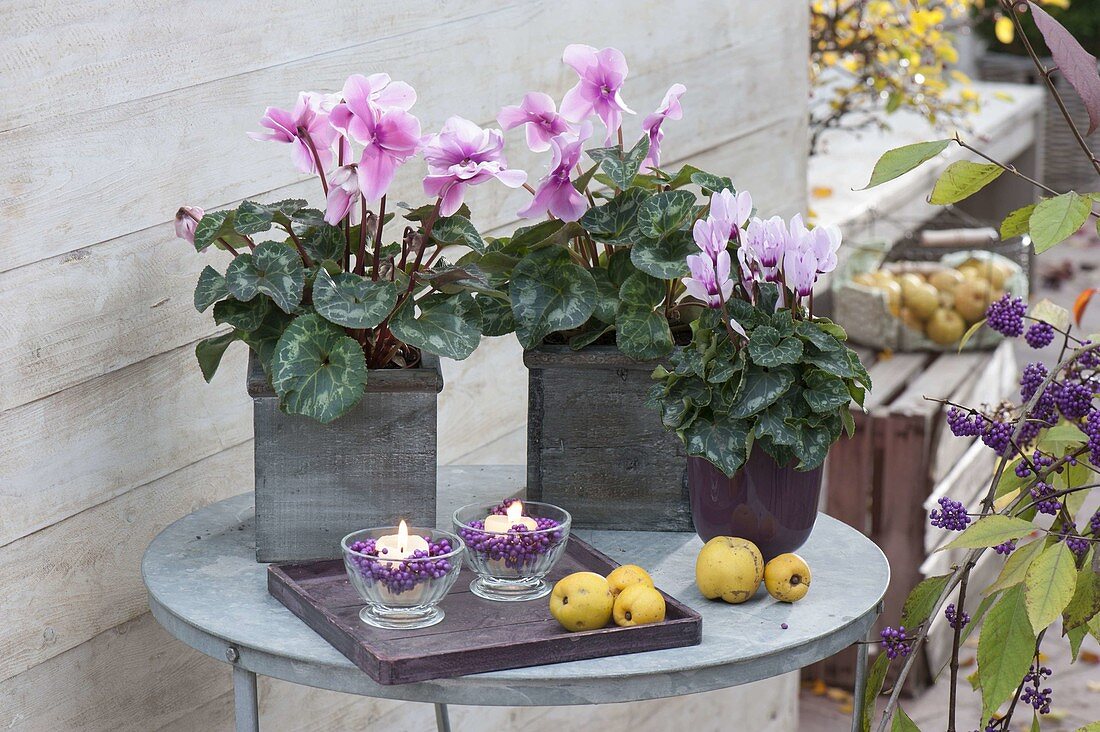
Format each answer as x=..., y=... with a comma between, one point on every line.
x=595, y=449
x=316, y=483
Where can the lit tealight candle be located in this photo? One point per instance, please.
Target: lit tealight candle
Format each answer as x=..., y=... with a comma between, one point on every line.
x=498, y=524
x=399, y=545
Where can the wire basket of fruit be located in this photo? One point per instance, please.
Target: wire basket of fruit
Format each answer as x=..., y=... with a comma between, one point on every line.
x=924, y=306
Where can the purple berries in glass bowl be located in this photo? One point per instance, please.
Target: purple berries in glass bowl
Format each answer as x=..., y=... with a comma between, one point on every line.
x=402, y=581
x=512, y=556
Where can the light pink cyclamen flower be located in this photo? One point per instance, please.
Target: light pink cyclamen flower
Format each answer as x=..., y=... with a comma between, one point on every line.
x=294, y=127
x=669, y=109
x=463, y=154
x=800, y=270
x=556, y=193
x=710, y=279
x=711, y=235
x=540, y=117
x=343, y=193
x=380, y=91
x=187, y=219
x=764, y=243
x=598, y=91
x=390, y=136
x=825, y=241
x=733, y=209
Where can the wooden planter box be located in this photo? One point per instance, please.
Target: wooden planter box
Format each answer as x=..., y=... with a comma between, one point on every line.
x=316, y=483
x=595, y=449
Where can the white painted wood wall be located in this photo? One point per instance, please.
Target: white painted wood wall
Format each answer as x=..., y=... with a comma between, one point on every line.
x=115, y=113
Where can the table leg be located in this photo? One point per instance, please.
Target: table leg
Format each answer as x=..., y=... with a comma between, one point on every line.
x=245, y=704
x=442, y=718
x=861, y=684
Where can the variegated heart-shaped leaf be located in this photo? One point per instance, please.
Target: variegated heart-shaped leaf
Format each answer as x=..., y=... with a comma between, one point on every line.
x=274, y=269
x=317, y=371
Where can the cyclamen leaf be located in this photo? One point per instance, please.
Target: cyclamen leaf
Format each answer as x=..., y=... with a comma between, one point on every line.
x=665, y=258
x=901, y=160
x=607, y=296
x=209, y=353
x=449, y=326
x=663, y=213
x=590, y=336
x=212, y=226
x=1049, y=585
x=762, y=387
x=711, y=182
x=766, y=348
x=813, y=448
x=963, y=179
x=353, y=301
x=1073, y=61
x=246, y=316
x=264, y=339
x=496, y=316
x=458, y=230
x=317, y=371
x=323, y=242
x=550, y=293
x=621, y=167
x=817, y=336
x=922, y=600
x=210, y=289
x=642, y=334
x=991, y=531
x=251, y=218
x=1055, y=219
x=773, y=423
x=1006, y=648
x=273, y=269
x=616, y=222
x=1017, y=222
x=724, y=444
x=825, y=392
x=642, y=290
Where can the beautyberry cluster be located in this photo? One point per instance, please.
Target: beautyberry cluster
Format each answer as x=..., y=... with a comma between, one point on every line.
x=1092, y=430
x=965, y=424
x=1006, y=316
x=400, y=576
x=895, y=642
x=998, y=437
x=1094, y=524
x=1039, y=335
x=1073, y=398
x=951, y=515
x=1079, y=545
x=1006, y=548
x=1031, y=379
x=955, y=618
x=1041, y=492
x=1038, y=699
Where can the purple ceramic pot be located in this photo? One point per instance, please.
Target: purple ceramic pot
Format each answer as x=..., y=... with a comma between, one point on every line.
x=774, y=507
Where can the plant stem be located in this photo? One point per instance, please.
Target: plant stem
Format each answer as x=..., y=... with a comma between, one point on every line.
x=228, y=248
x=956, y=643
x=378, y=238
x=298, y=245
x=361, y=252
x=304, y=134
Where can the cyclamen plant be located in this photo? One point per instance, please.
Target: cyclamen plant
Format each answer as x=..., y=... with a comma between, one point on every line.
x=1032, y=514
x=761, y=372
x=331, y=299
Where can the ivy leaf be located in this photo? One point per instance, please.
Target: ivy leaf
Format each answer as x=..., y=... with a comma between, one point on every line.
x=1049, y=585
x=1017, y=222
x=766, y=348
x=664, y=213
x=724, y=444
x=1015, y=567
x=245, y=316
x=664, y=258
x=963, y=179
x=762, y=387
x=1006, y=647
x=323, y=242
x=616, y=222
x=621, y=167
x=1086, y=596
x=550, y=293
x=448, y=325
x=922, y=600
x=353, y=301
x=991, y=531
x=642, y=334
x=210, y=289
x=825, y=392
x=317, y=371
x=209, y=353
x=901, y=160
x=458, y=230
x=1055, y=219
x=496, y=316
x=273, y=269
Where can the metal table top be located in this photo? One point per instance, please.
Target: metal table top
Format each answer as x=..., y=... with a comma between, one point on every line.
x=206, y=588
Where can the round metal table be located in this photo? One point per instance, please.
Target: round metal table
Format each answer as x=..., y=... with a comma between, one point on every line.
x=206, y=588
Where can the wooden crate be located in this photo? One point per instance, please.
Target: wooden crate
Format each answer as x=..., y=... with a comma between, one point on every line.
x=901, y=460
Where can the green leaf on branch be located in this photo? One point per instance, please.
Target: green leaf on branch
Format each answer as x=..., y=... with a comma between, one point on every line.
x=209, y=352
x=963, y=179
x=1015, y=567
x=922, y=600
x=1057, y=439
x=970, y=333
x=458, y=230
x=665, y=258
x=664, y=213
x=317, y=371
x=621, y=167
x=1017, y=222
x=901, y=160
x=902, y=722
x=210, y=289
x=616, y=222
x=1086, y=595
x=496, y=316
x=1049, y=585
x=353, y=301
x=724, y=444
x=876, y=677
x=550, y=293
x=448, y=325
x=1055, y=219
x=991, y=531
x=1006, y=648
x=768, y=348
x=273, y=269
x=642, y=334
x=245, y=316
x=763, y=386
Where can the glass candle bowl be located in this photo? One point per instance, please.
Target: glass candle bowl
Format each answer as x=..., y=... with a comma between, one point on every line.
x=511, y=565
x=404, y=592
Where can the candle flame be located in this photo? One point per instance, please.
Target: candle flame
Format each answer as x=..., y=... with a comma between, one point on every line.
x=402, y=536
x=515, y=511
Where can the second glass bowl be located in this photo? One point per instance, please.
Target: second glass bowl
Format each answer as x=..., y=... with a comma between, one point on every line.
x=511, y=566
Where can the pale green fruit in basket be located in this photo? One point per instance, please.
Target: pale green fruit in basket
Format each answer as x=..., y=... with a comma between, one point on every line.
x=945, y=280
x=945, y=327
x=972, y=297
x=922, y=299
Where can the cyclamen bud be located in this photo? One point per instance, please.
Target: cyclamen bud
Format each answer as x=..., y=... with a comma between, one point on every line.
x=187, y=220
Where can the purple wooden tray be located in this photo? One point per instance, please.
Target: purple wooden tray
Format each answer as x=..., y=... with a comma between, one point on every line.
x=477, y=635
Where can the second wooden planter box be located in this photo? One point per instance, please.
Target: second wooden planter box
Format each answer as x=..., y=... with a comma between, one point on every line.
x=595, y=449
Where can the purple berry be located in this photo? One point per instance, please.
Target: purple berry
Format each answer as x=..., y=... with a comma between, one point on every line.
x=1041, y=492
x=951, y=515
x=1006, y=548
x=956, y=619
x=1074, y=399
x=1031, y=379
x=998, y=437
x=1006, y=315
x=964, y=424
x=894, y=642
x=1038, y=699
x=1039, y=335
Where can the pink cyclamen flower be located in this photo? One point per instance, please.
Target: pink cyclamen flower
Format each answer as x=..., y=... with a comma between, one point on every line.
x=343, y=193
x=389, y=139
x=598, y=91
x=299, y=127
x=538, y=113
x=800, y=270
x=825, y=241
x=669, y=109
x=711, y=235
x=556, y=193
x=710, y=279
x=764, y=243
x=733, y=209
x=187, y=219
x=380, y=91
x=463, y=154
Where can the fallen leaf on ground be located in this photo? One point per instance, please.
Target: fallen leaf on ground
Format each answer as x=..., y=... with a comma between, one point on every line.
x=821, y=191
x=845, y=708
x=1088, y=657
x=966, y=662
x=838, y=695
x=818, y=687
x=1093, y=686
